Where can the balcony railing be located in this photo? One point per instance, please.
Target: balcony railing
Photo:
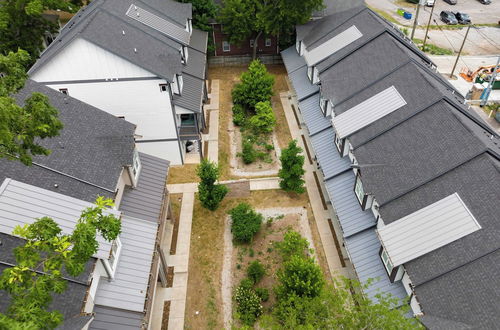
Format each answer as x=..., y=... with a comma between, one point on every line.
x=189, y=132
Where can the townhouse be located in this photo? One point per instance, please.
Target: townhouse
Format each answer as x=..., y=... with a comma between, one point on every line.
x=141, y=61
x=411, y=172
x=95, y=155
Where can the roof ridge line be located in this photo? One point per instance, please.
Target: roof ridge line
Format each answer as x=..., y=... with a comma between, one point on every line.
x=457, y=267
x=336, y=175
x=308, y=96
x=320, y=131
x=72, y=177
x=478, y=154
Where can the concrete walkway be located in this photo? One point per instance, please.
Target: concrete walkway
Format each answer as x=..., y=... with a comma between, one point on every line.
x=255, y=184
x=212, y=138
x=320, y=214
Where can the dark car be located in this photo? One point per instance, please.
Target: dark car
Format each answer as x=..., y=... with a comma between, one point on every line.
x=448, y=17
x=451, y=2
x=485, y=2
x=462, y=18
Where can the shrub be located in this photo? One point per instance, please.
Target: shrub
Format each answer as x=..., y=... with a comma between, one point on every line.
x=292, y=170
x=248, y=153
x=256, y=86
x=263, y=121
x=246, y=222
x=248, y=305
x=239, y=116
x=209, y=193
x=256, y=271
x=246, y=283
x=301, y=277
x=293, y=244
x=263, y=293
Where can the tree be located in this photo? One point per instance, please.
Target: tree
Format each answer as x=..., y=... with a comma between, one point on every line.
x=264, y=120
x=23, y=26
x=203, y=12
x=301, y=277
x=292, y=170
x=42, y=261
x=22, y=127
x=245, y=222
x=256, y=86
x=209, y=193
x=242, y=18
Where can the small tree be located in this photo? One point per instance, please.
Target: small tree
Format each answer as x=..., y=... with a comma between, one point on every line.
x=293, y=244
x=292, y=170
x=40, y=262
x=300, y=277
x=264, y=120
x=256, y=271
x=245, y=222
x=22, y=127
x=209, y=193
x=256, y=86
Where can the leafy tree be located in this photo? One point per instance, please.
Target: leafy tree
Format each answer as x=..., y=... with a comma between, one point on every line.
x=209, y=193
x=256, y=271
x=203, y=12
x=243, y=18
x=42, y=261
x=264, y=120
x=292, y=170
x=21, y=127
x=23, y=26
x=293, y=244
x=300, y=276
x=256, y=86
x=245, y=222
x=248, y=304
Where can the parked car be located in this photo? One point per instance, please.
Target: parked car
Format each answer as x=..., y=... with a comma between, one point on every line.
x=428, y=3
x=448, y=17
x=451, y=2
x=462, y=18
x=485, y=2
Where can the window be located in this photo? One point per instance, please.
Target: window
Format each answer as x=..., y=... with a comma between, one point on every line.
x=387, y=262
x=177, y=84
x=187, y=120
x=184, y=54
x=136, y=166
x=251, y=42
x=323, y=103
x=226, y=47
x=339, y=144
x=64, y=91
x=163, y=88
x=358, y=190
x=268, y=42
x=114, y=254
x=310, y=73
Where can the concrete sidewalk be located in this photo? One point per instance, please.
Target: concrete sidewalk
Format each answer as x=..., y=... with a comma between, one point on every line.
x=212, y=138
x=320, y=214
x=255, y=184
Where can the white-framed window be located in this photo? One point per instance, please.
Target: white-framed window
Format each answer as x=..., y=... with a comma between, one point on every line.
x=180, y=81
x=112, y=263
x=323, y=103
x=358, y=190
x=189, y=25
x=184, y=54
x=226, y=47
x=136, y=166
x=338, y=143
x=386, y=261
x=177, y=84
x=252, y=42
x=310, y=73
x=268, y=42
x=64, y=91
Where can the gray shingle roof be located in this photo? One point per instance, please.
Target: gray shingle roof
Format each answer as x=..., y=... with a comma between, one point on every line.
x=199, y=40
x=87, y=157
x=196, y=64
x=145, y=201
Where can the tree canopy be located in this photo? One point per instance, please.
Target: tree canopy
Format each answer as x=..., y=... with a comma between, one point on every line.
x=292, y=168
x=22, y=127
x=23, y=26
x=203, y=12
x=242, y=18
x=210, y=194
x=256, y=86
x=42, y=262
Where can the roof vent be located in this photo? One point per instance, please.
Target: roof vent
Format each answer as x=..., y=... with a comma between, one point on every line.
x=123, y=32
x=135, y=7
x=56, y=185
x=135, y=50
x=138, y=14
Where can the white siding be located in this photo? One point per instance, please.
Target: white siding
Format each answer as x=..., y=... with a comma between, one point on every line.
x=169, y=150
x=82, y=60
x=141, y=102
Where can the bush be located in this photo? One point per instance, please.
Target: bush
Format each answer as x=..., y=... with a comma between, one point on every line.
x=292, y=170
x=239, y=116
x=263, y=293
x=301, y=277
x=209, y=193
x=264, y=120
x=293, y=244
x=246, y=222
x=256, y=271
x=246, y=283
x=248, y=305
x=248, y=153
x=256, y=86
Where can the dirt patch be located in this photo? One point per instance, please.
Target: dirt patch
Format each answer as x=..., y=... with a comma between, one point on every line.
x=238, y=257
x=175, y=204
x=182, y=174
x=238, y=189
x=166, y=314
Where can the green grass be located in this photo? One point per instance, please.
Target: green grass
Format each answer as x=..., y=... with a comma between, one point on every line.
x=432, y=49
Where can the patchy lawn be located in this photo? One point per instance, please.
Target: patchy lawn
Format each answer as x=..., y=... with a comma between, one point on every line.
x=206, y=254
x=182, y=174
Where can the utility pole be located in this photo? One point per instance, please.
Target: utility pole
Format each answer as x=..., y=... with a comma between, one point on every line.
x=415, y=21
x=428, y=24
x=459, y=52
x=486, y=93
